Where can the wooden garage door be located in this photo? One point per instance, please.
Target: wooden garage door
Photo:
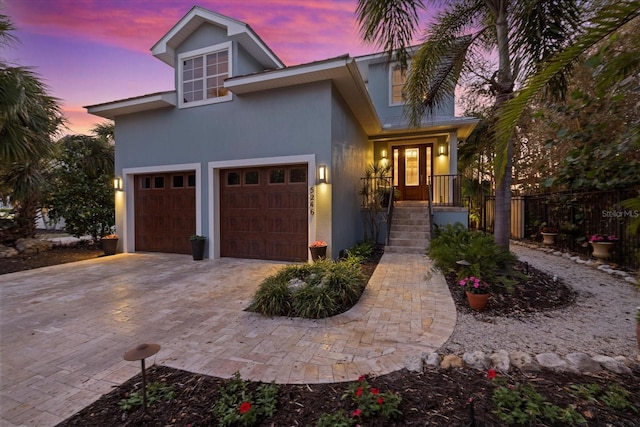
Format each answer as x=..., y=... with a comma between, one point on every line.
x=165, y=212
x=263, y=213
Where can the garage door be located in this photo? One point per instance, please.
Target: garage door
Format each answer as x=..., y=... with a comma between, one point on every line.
x=263, y=213
x=165, y=211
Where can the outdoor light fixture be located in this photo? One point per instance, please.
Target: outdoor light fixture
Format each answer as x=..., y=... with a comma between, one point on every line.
x=117, y=184
x=322, y=174
x=442, y=149
x=384, y=154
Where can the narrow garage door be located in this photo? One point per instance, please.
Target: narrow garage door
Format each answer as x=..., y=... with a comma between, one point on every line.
x=165, y=212
x=263, y=213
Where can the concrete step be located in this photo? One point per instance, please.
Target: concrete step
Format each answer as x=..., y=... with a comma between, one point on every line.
x=408, y=242
x=405, y=250
x=422, y=234
x=410, y=222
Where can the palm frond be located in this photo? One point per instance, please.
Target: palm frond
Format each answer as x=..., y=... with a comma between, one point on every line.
x=604, y=24
x=389, y=24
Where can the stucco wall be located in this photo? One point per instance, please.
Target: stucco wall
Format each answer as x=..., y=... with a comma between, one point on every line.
x=351, y=152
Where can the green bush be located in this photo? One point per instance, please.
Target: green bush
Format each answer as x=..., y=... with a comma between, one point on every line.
x=488, y=260
x=362, y=250
x=323, y=289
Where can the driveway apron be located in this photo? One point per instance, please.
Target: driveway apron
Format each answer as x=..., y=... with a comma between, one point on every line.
x=64, y=329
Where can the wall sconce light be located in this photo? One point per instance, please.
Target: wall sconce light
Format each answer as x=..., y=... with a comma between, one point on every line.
x=443, y=149
x=322, y=174
x=117, y=184
x=384, y=154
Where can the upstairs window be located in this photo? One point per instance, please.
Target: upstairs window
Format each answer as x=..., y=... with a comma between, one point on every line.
x=397, y=78
x=202, y=74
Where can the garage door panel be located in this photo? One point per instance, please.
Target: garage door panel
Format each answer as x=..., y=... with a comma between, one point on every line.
x=164, y=212
x=267, y=218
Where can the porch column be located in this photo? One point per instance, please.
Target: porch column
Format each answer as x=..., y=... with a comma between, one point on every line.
x=453, y=162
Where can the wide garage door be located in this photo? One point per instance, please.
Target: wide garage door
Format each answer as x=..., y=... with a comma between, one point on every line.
x=165, y=211
x=263, y=213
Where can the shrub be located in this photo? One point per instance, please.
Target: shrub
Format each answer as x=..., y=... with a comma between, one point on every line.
x=322, y=289
x=362, y=250
x=488, y=260
x=237, y=406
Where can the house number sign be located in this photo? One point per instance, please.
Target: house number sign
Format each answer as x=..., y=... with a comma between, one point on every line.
x=311, y=201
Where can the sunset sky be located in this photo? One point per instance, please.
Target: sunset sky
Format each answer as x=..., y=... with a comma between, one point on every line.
x=94, y=51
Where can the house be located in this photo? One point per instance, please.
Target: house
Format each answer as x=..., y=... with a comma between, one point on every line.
x=262, y=158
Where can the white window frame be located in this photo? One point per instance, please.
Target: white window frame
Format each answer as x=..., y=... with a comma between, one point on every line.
x=391, y=68
x=203, y=53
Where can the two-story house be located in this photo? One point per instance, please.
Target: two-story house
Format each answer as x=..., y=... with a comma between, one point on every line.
x=262, y=158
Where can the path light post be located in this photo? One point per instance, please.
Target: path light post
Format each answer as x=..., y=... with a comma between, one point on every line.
x=140, y=353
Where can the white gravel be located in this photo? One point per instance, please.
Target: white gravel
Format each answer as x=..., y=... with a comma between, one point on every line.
x=602, y=321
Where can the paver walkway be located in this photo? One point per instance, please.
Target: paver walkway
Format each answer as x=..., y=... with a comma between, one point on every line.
x=64, y=329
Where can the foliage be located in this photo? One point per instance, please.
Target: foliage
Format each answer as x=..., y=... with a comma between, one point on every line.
x=615, y=396
x=237, y=406
x=322, y=289
x=155, y=391
x=336, y=419
x=196, y=237
x=371, y=402
x=362, y=250
x=83, y=193
x=487, y=260
x=29, y=118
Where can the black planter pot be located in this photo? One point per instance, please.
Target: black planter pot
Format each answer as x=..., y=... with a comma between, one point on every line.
x=318, y=252
x=109, y=246
x=197, y=249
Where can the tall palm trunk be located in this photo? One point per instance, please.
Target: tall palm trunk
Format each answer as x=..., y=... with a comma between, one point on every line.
x=504, y=91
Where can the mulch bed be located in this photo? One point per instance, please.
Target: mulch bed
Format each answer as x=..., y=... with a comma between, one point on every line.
x=432, y=398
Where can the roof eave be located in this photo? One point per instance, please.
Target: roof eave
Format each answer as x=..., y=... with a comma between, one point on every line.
x=110, y=110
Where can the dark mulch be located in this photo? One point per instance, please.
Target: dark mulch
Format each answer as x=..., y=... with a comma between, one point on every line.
x=57, y=255
x=433, y=398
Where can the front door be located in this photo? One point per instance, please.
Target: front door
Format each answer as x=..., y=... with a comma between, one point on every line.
x=412, y=170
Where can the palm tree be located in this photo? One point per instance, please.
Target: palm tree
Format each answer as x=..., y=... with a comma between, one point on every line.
x=521, y=33
x=28, y=120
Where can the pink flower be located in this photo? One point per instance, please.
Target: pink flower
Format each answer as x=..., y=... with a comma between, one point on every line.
x=245, y=407
x=357, y=412
x=491, y=374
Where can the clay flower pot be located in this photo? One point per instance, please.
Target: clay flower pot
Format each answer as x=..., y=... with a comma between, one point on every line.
x=549, y=239
x=601, y=250
x=477, y=301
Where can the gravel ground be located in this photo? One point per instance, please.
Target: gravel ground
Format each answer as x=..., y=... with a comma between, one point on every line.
x=602, y=321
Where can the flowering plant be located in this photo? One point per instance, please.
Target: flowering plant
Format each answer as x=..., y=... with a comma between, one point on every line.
x=110, y=237
x=603, y=238
x=548, y=229
x=474, y=285
x=371, y=402
x=318, y=244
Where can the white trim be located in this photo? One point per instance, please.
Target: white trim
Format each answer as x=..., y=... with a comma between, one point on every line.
x=228, y=46
x=213, y=177
x=129, y=244
x=392, y=66
x=127, y=106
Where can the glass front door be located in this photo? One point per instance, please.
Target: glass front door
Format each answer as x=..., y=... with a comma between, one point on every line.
x=412, y=170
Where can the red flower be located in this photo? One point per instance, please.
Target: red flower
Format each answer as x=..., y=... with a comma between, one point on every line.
x=245, y=407
x=362, y=377
x=359, y=392
x=491, y=374
x=375, y=390
x=380, y=401
x=357, y=412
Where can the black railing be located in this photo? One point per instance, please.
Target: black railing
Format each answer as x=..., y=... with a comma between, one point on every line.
x=446, y=190
x=576, y=216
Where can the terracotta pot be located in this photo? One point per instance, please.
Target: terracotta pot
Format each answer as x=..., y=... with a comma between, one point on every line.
x=601, y=250
x=549, y=238
x=318, y=252
x=477, y=301
x=109, y=246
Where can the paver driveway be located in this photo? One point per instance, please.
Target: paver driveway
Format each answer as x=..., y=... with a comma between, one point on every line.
x=64, y=329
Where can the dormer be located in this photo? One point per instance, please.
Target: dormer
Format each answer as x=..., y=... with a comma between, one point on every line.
x=205, y=48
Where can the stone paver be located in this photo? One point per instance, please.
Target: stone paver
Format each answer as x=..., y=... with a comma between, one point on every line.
x=64, y=329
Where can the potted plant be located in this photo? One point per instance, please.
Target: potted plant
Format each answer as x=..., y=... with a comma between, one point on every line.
x=318, y=250
x=109, y=244
x=602, y=244
x=477, y=291
x=197, y=246
x=548, y=234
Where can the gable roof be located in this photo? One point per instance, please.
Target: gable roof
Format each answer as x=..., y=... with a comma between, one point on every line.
x=164, y=49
